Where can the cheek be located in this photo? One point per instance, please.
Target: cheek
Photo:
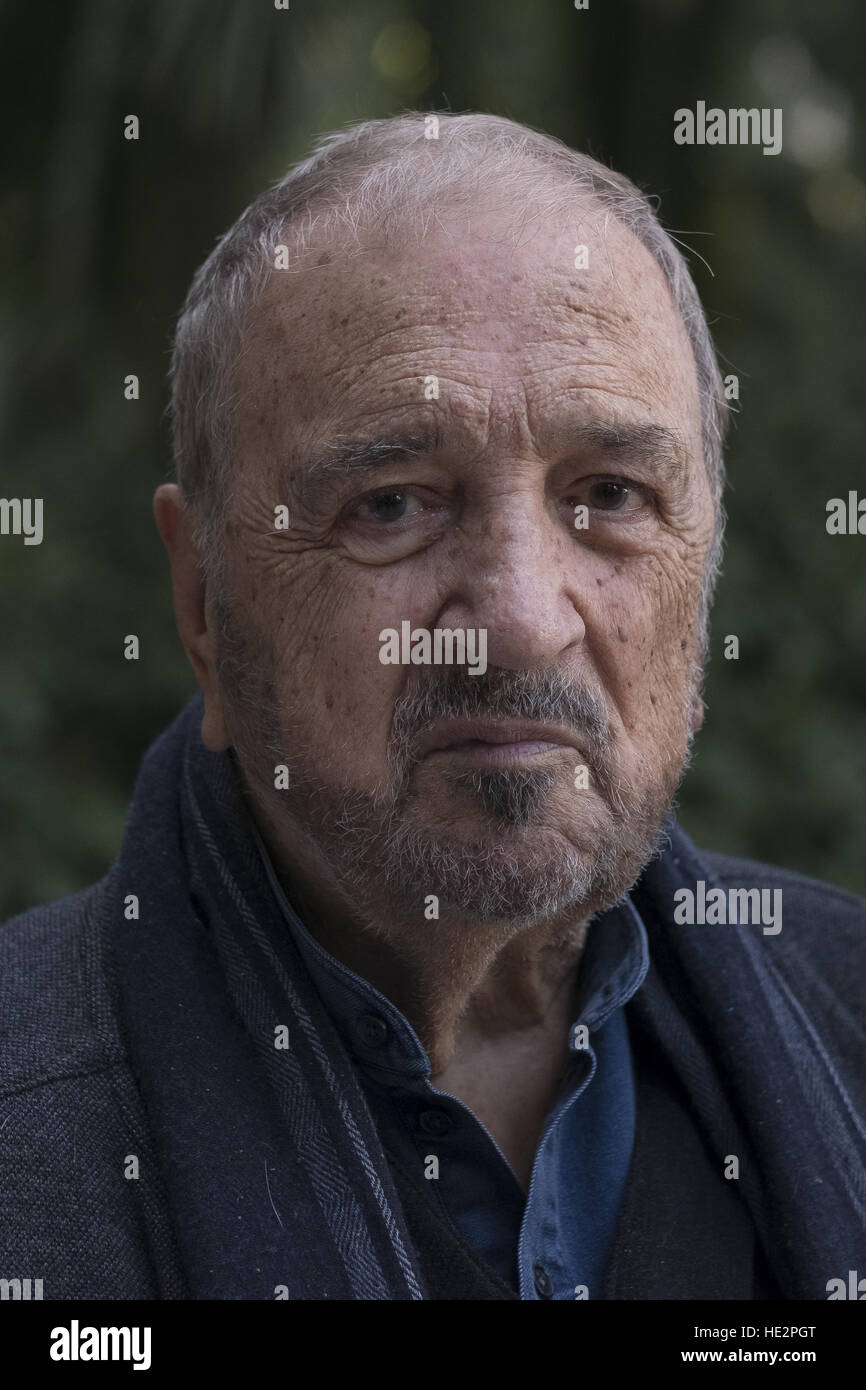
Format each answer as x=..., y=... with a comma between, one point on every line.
x=331, y=685
x=646, y=628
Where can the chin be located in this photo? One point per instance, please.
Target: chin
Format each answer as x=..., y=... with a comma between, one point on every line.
x=521, y=874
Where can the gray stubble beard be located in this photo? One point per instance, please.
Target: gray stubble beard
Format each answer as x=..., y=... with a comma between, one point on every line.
x=377, y=848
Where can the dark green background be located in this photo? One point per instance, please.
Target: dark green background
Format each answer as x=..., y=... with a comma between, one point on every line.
x=99, y=238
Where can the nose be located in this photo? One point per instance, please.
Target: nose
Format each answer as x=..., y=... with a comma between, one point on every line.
x=516, y=576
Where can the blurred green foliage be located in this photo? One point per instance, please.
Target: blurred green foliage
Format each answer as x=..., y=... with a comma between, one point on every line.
x=99, y=238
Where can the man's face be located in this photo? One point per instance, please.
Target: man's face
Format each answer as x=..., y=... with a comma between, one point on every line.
x=532, y=395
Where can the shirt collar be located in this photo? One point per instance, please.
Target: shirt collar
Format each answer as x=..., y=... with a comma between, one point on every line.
x=614, y=963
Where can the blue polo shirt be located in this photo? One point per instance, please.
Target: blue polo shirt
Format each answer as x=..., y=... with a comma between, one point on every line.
x=553, y=1242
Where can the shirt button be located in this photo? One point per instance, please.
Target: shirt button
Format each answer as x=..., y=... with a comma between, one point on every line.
x=372, y=1031
x=435, y=1122
x=543, y=1284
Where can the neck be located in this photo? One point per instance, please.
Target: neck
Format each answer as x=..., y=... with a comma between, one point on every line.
x=463, y=985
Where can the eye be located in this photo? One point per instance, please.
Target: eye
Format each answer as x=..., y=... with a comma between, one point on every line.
x=392, y=523
x=384, y=507
x=610, y=496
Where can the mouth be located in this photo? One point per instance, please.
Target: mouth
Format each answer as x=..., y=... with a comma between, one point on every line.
x=496, y=743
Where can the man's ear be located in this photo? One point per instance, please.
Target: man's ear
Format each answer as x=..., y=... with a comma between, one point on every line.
x=699, y=709
x=188, y=586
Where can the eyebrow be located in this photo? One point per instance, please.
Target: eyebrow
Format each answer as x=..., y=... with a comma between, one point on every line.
x=663, y=447
x=338, y=460
x=341, y=458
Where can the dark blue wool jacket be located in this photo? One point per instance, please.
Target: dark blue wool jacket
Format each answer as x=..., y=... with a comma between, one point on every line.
x=154, y=1143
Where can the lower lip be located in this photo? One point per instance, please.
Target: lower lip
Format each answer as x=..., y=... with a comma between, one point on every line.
x=501, y=754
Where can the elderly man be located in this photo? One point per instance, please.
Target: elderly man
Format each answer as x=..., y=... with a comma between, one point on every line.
x=406, y=983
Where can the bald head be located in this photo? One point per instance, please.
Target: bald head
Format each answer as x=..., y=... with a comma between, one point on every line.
x=391, y=181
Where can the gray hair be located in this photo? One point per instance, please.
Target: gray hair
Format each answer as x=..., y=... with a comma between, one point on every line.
x=372, y=174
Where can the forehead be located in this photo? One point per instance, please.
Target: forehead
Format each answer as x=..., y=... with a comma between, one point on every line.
x=569, y=307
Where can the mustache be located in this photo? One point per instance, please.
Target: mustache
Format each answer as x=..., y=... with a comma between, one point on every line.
x=548, y=697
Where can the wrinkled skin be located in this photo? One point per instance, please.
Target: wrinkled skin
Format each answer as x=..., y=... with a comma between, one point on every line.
x=529, y=353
